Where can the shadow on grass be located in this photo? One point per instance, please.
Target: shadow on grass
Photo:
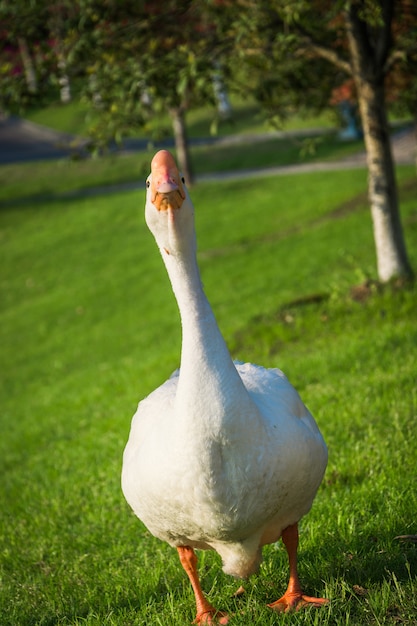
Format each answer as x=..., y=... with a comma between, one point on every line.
x=46, y=198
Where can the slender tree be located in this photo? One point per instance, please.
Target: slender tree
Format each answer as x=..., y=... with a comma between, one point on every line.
x=288, y=42
x=134, y=60
x=145, y=58
x=35, y=40
x=23, y=38
x=370, y=44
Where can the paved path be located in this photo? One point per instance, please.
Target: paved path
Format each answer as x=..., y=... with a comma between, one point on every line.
x=403, y=146
x=21, y=140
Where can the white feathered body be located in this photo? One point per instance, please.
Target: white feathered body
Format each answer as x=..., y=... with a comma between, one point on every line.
x=230, y=484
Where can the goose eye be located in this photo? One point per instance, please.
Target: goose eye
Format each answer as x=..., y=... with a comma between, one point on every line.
x=148, y=184
x=183, y=179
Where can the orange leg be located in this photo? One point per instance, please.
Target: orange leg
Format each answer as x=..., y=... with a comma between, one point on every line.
x=206, y=613
x=293, y=598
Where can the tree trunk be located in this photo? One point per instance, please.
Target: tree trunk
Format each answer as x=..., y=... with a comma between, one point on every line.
x=29, y=68
x=391, y=252
x=368, y=61
x=64, y=81
x=181, y=143
x=415, y=139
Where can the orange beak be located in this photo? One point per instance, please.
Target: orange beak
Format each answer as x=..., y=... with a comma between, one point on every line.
x=167, y=190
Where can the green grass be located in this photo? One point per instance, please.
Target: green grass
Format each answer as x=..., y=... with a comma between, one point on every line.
x=89, y=326
x=72, y=118
x=75, y=118
x=65, y=176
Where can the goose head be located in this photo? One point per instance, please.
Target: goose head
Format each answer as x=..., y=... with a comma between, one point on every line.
x=169, y=212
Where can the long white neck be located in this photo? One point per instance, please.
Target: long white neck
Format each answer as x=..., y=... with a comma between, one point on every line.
x=209, y=385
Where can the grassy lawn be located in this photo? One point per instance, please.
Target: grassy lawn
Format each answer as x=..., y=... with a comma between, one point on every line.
x=65, y=176
x=88, y=326
x=75, y=118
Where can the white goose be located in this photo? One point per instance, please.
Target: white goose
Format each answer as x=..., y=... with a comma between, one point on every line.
x=223, y=455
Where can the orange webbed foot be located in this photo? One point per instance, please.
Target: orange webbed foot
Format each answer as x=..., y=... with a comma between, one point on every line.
x=212, y=617
x=295, y=602
x=206, y=612
x=294, y=599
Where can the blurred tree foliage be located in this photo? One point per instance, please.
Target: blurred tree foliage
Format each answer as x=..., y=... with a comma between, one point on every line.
x=143, y=58
x=36, y=37
x=134, y=59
